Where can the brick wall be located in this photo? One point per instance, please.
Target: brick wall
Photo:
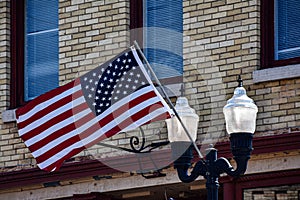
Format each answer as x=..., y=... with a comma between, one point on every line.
x=270, y=193
x=221, y=41
x=12, y=149
x=91, y=32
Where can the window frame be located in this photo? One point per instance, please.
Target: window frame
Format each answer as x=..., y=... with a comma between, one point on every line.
x=17, y=53
x=137, y=23
x=268, y=40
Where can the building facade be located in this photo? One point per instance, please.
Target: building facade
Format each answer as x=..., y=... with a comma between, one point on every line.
x=204, y=44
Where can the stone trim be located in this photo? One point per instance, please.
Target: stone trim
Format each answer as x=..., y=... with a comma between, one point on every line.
x=276, y=73
x=90, y=168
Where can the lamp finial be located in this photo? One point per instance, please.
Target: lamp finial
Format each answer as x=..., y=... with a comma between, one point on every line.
x=240, y=81
x=182, y=90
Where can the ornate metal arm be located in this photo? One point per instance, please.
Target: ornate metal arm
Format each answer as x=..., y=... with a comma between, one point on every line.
x=213, y=167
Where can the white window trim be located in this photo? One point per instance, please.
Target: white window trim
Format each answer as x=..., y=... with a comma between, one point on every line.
x=9, y=116
x=276, y=73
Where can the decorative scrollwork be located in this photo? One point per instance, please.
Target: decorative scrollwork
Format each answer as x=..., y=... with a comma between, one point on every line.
x=136, y=145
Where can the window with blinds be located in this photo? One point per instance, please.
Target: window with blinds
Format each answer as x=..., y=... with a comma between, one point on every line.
x=41, y=47
x=163, y=40
x=287, y=34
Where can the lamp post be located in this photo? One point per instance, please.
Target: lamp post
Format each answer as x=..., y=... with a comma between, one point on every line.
x=240, y=116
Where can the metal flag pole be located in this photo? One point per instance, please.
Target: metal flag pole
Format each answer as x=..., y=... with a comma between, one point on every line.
x=167, y=97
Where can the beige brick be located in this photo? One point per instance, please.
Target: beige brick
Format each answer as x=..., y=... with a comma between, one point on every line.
x=210, y=10
x=225, y=39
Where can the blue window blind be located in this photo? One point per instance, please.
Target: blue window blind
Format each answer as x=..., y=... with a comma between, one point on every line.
x=287, y=34
x=163, y=40
x=41, y=47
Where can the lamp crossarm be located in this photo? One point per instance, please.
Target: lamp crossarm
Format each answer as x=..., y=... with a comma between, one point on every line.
x=210, y=168
x=223, y=166
x=216, y=168
x=199, y=169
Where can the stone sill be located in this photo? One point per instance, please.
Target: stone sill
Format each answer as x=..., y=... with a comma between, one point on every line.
x=9, y=116
x=277, y=73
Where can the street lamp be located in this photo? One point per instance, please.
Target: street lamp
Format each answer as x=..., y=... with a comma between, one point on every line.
x=240, y=116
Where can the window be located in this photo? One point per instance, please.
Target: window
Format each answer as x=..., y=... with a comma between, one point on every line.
x=34, y=49
x=280, y=22
x=41, y=47
x=161, y=36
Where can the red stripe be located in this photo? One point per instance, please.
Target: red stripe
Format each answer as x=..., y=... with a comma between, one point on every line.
x=135, y=117
x=53, y=121
x=162, y=116
x=65, y=144
x=59, y=162
x=126, y=122
x=61, y=132
x=50, y=108
x=126, y=107
x=101, y=123
x=94, y=128
x=45, y=97
x=57, y=149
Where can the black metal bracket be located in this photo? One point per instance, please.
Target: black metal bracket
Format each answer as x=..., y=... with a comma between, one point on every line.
x=138, y=146
x=212, y=167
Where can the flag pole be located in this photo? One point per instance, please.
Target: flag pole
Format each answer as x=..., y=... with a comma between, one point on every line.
x=168, y=99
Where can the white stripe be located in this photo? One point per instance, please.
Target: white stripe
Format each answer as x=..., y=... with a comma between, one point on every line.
x=141, y=65
x=51, y=115
x=52, y=144
x=128, y=114
x=133, y=110
x=87, y=125
x=47, y=103
x=145, y=119
x=125, y=100
x=134, y=125
x=101, y=131
x=95, y=136
x=60, y=140
x=56, y=127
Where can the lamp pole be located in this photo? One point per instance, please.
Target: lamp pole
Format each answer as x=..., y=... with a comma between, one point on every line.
x=240, y=116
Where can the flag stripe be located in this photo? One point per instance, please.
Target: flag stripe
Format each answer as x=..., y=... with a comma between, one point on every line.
x=50, y=119
x=60, y=133
x=104, y=125
x=92, y=138
x=87, y=119
x=92, y=135
x=58, y=126
x=54, y=166
x=117, y=96
x=44, y=100
x=46, y=116
x=49, y=109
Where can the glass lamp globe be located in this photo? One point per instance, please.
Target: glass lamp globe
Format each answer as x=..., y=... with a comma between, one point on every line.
x=240, y=112
x=190, y=119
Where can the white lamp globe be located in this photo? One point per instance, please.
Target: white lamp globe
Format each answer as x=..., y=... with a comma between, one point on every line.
x=240, y=113
x=190, y=119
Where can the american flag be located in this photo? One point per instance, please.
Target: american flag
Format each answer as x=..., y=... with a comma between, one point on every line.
x=115, y=97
